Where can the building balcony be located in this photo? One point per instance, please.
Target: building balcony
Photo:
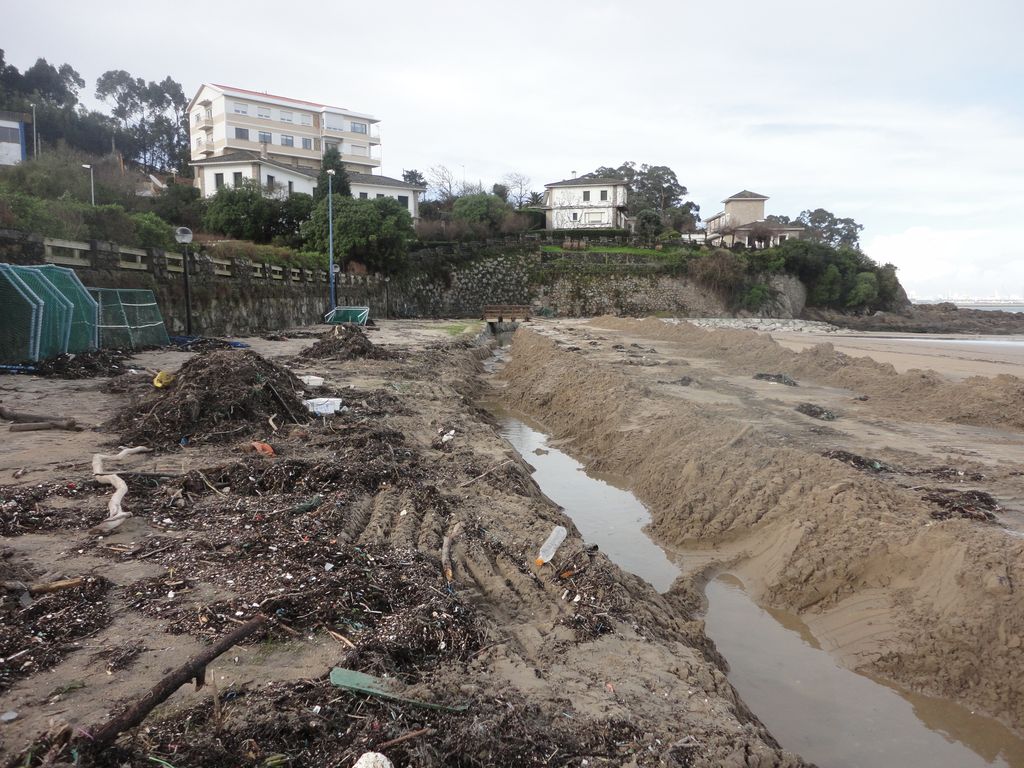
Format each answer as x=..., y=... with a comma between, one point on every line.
x=203, y=124
x=372, y=138
x=348, y=159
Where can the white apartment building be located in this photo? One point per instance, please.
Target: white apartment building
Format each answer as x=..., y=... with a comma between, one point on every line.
x=15, y=136
x=586, y=202
x=279, y=142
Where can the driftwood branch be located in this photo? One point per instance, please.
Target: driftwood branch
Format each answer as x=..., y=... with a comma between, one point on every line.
x=407, y=737
x=446, y=552
x=38, y=426
x=115, y=514
x=11, y=415
x=193, y=669
x=43, y=589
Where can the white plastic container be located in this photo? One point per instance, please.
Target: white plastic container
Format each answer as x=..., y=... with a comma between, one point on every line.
x=312, y=381
x=549, y=547
x=323, y=406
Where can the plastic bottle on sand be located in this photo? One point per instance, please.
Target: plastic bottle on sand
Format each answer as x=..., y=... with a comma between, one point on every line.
x=554, y=541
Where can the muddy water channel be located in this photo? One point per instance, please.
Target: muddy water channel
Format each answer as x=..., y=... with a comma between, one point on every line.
x=813, y=706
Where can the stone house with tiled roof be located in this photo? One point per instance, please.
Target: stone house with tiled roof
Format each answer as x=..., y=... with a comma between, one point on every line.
x=743, y=221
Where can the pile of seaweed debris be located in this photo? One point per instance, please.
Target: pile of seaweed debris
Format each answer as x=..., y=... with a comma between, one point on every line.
x=215, y=396
x=345, y=342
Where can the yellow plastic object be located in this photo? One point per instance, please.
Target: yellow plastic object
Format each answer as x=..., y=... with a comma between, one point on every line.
x=163, y=379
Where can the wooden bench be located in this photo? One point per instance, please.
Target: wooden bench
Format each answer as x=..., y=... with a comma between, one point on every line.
x=502, y=313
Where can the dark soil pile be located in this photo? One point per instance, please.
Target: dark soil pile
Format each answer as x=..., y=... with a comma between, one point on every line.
x=863, y=463
x=778, y=378
x=216, y=396
x=36, y=636
x=202, y=343
x=22, y=508
x=973, y=505
x=84, y=365
x=816, y=412
x=345, y=342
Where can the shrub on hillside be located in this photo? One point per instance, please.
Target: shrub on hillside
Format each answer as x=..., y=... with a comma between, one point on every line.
x=718, y=270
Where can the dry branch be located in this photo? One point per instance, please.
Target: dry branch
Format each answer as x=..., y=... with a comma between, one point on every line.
x=12, y=415
x=43, y=589
x=193, y=669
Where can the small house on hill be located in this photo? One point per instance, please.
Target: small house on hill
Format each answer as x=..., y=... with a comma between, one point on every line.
x=743, y=221
x=589, y=202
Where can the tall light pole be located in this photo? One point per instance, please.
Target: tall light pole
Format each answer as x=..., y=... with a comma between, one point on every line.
x=184, y=236
x=35, y=134
x=330, y=233
x=92, y=182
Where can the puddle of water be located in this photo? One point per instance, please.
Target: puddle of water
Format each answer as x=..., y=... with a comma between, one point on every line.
x=831, y=715
x=813, y=706
x=606, y=515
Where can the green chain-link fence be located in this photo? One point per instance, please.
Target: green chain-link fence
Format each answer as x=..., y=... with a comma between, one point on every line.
x=21, y=316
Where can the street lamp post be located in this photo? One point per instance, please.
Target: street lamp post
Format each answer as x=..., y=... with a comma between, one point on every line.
x=184, y=236
x=92, y=182
x=35, y=134
x=330, y=233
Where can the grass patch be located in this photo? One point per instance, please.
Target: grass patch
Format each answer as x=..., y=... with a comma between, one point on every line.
x=457, y=329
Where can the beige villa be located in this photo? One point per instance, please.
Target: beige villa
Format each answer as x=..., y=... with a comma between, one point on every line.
x=743, y=221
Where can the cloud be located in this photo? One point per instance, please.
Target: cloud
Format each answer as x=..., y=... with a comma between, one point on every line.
x=955, y=263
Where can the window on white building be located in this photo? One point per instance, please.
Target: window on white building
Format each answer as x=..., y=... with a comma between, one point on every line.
x=270, y=182
x=604, y=194
x=199, y=141
x=240, y=108
x=379, y=195
x=575, y=216
x=238, y=178
x=286, y=117
x=307, y=143
x=218, y=180
x=291, y=187
x=198, y=116
x=266, y=137
x=586, y=196
x=359, y=128
x=242, y=133
x=404, y=200
x=287, y=141
x=263, y=112
x=595, y=217
x=358, y=149
x=363, y=195
x=306, y=119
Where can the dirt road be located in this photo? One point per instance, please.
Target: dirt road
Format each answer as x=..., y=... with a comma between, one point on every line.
x=337, y=538
x=894, y=529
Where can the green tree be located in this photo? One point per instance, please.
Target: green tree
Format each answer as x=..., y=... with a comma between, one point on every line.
x=375, y=232
x=339, y=184
x=654, y=187
x=152, y=118
x=825, y=227
x=415, y=178
x=152, y=232
x=180, y=205
x=500, y=191
x=243, y=213
x=827, y=289
x=648, y=224
x=294, y=211
x=864, y=292
x=481, y=208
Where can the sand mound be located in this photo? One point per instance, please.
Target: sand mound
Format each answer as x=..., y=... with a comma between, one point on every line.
x=216, y=396
x=815, y=534
x=914, y=395
x=345, y=342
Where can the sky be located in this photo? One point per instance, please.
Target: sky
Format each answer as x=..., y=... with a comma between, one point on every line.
x=906, y=115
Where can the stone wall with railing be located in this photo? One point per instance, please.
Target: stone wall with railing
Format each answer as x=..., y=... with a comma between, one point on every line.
x=229, y=295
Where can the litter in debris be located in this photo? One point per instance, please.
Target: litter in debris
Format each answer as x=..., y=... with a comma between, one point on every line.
x=551, y=545
x=385, y=688
x=345, y=342
x=324, y=406
x=312, y=381
x=778, y=378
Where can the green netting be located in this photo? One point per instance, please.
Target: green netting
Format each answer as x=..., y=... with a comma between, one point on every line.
x=21, y=314
x=129, y=318
x=339, y=315
x=84, y=314
x=55, y=326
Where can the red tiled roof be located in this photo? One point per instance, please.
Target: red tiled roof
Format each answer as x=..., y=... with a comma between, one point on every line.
x=272, y=96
